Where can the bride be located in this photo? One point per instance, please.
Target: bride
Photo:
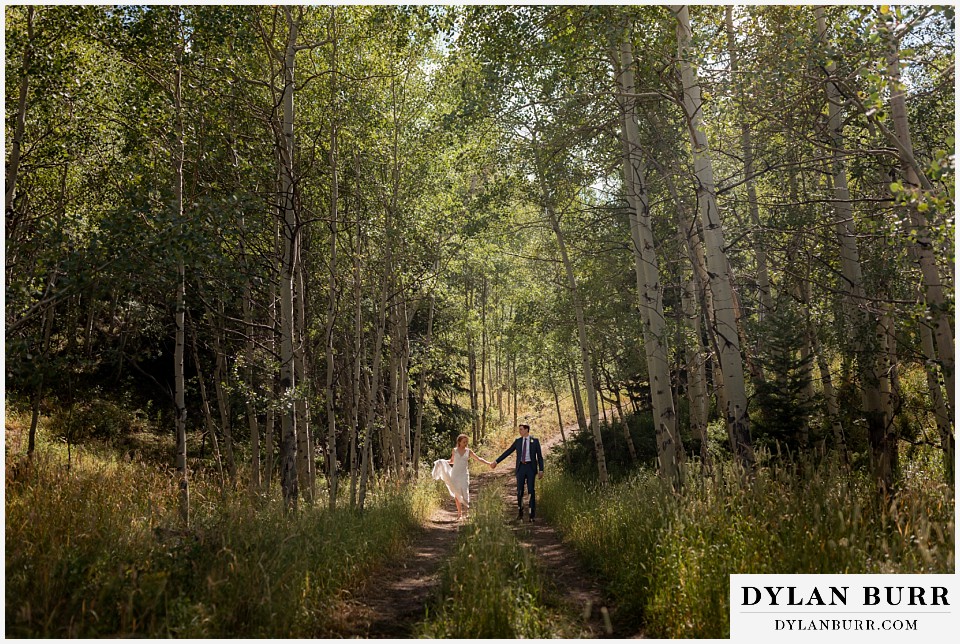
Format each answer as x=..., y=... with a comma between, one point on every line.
x=455, y=473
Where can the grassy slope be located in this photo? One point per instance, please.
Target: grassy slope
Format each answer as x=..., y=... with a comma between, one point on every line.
x=96, y=550
x=668, y=558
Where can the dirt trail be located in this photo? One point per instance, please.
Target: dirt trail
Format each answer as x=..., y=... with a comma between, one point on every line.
x=393, y=601
x=568, y=580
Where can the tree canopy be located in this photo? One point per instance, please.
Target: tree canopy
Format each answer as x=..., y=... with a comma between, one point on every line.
x=329, y=239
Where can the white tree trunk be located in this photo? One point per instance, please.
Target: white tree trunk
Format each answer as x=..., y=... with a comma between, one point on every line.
x=696, y=374
x=252, y=422
x=366, y=443
x=269, y=429
x=205, y=406
x=332, y=282
x=585, y=351
x=646, y=266
x=472, y=366
x=306, y=443
x=483, y=358
x=177, y=157
x=290, y=234
x=865, y=326
x=922, y=246
x=424, y=372
x=220, y=374
x=16, y=143
x=725, y=324
x=355, y=374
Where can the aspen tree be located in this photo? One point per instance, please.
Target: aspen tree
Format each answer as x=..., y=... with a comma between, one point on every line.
x=725, y=325
x=646, y=266
x=865, y=325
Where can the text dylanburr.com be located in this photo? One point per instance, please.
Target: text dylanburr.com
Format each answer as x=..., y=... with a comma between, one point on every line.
x=847, y=608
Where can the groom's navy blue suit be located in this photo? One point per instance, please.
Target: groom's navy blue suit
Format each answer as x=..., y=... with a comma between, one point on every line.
x=527, y=467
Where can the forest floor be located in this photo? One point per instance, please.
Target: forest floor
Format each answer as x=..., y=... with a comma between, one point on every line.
x=393, y=600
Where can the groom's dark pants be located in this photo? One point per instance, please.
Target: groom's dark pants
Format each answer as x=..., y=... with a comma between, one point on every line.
x=527, y=474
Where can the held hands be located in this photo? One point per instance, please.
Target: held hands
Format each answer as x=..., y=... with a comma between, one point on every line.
x=493, y=465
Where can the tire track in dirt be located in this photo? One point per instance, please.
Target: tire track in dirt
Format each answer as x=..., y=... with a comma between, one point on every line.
x=393, y=601
x=567, y=579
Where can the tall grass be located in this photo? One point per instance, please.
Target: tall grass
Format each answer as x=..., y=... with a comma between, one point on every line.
x=97, y=551
x=490, y=587
x=667, y=558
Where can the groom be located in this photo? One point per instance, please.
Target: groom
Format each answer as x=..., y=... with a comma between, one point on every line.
x=529, y=460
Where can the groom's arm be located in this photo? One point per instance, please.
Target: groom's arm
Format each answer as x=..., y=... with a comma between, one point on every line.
x=539, y=456
x=509, y=451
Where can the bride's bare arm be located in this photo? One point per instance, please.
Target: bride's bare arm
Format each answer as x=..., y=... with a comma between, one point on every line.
x=479, y=458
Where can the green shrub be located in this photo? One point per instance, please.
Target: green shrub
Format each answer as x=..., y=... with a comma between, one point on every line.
x=96, y=418
x=579, y=454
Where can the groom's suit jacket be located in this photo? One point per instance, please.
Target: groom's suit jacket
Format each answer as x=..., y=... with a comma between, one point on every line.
x=536, y=455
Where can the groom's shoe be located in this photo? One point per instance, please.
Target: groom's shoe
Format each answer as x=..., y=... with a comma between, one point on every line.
x=520, y=515
x=532, y=519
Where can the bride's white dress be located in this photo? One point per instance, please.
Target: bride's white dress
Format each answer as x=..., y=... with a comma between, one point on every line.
x=456, y=477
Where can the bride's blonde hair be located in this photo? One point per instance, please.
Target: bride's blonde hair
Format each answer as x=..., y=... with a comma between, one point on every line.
x=462, y=437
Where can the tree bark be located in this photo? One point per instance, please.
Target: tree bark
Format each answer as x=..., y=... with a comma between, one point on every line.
x=250, y=385
x=585, y=349
x=864, y=325
x=332, y=280
x=483, y=358
x=646, y=266
x=422, y=385
x=922, y=246
x=205, y=405
x=306, y=442
x=355, y=433
x=177, y=158
x=44, y=350
x=516, y=392
x=556, y=402
x=355, y=378
x=472, y=367
x=366, y=449
x=725, y=326
x=269, y=430
x=696, y=375
x=220, y=373
x=577, y=398
x=692, y=241
x=403, y=393
x=290, y=234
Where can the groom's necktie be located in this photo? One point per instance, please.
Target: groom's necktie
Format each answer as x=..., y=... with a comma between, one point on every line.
x=526, y=450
